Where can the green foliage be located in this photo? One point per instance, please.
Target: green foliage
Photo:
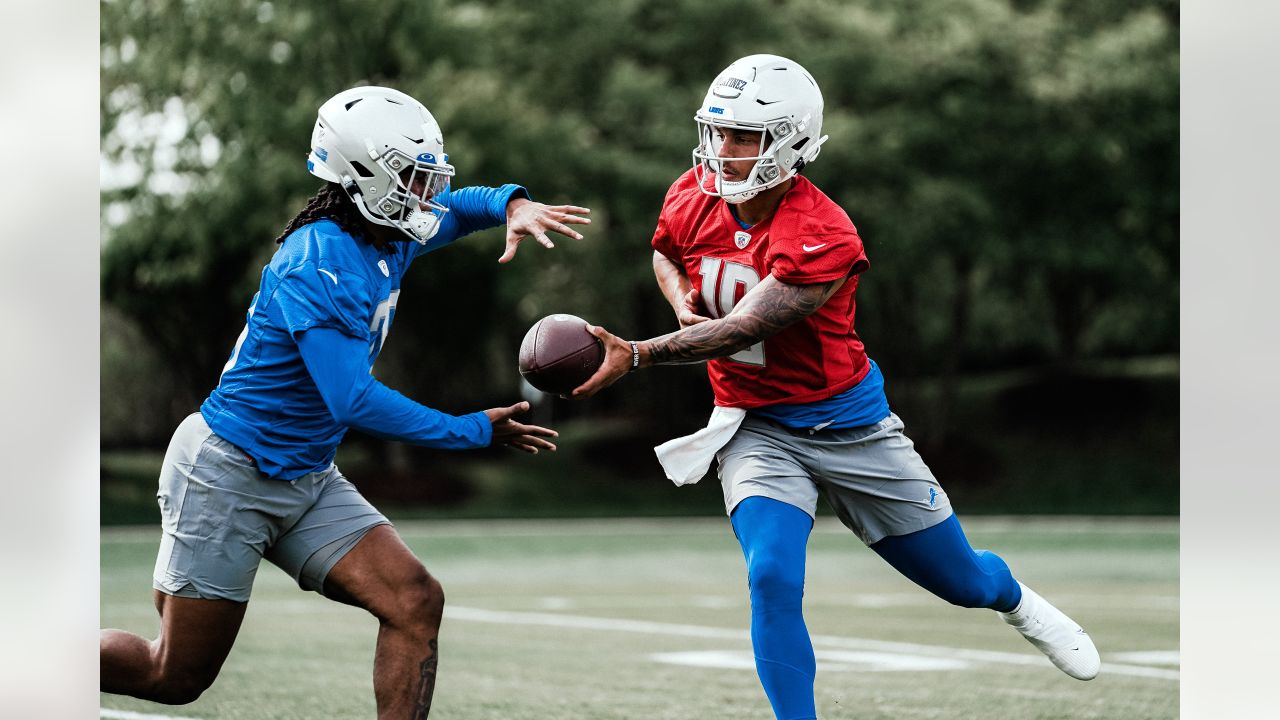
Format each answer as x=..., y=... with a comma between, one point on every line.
x=1011, y=165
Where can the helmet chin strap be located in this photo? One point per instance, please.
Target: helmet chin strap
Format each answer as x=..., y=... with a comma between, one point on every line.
x=737, y=198
x=424, y=225
x=419, y=226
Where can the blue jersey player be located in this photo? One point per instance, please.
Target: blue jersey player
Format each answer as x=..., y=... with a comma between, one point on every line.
x=251, y=475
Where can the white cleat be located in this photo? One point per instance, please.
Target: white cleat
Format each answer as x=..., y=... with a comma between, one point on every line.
x=1055, y=634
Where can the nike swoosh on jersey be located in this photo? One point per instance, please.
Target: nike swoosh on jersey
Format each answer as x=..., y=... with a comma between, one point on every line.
x=811, y=248
x=332, y=277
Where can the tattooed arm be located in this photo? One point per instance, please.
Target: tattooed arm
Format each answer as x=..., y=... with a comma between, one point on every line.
x=763, y=312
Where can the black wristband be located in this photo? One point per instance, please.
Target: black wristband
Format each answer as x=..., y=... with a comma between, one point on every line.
x=635, y=355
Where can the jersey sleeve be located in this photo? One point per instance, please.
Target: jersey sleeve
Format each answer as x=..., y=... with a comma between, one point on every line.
x=812, y=240
x=471, y=209
x=664, y=235
x=663, y=242
x=315, y=295
x=338, y=364
x=807, y=259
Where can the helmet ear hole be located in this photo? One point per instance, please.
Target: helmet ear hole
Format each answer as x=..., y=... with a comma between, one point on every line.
x=799, y=163
x=363, y=171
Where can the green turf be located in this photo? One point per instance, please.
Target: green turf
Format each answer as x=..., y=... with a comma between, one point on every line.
x=300, y=656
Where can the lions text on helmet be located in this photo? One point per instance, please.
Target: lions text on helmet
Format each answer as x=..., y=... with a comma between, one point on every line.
x=773, y=101
x=386, y=151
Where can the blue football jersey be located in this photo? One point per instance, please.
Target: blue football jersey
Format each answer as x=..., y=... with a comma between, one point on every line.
x=267, y=402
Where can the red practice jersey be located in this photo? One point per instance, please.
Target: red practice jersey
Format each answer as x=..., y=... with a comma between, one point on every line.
x=809, y=239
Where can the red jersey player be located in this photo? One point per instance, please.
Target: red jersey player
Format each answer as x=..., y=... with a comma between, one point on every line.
x=761, y=269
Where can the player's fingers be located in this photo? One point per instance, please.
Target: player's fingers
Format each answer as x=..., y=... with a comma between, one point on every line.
x=593, y=385
x=588, y=388
x=599, y=332
x=510, y=250
x=566, y=217
x=522, y=447
x=506, y=413
x=563, y=229
x=536, y=442
x=542, y=238
x=692, y=302
x=532, y=430
x=570, y=209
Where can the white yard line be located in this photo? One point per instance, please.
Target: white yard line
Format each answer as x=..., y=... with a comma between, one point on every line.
x=1151, y=657
x=581, y=622
x=129, y=715
x=827, y=646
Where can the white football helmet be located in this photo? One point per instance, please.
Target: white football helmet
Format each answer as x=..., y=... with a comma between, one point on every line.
x=768, y=94
x=386, y=151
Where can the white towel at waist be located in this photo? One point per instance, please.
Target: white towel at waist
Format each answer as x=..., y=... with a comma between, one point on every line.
x=686, y=459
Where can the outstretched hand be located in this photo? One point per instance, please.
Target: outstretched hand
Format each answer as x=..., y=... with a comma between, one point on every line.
x=507, y=431
x=525, y=218
x=617, y=362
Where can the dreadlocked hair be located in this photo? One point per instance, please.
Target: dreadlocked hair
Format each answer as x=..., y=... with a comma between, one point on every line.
x=331, y=202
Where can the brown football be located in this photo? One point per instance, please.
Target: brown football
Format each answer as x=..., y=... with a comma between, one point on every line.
x=558, y=354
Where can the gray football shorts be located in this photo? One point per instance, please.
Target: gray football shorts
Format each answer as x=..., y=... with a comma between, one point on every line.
x=221, y=517
x=871, y=476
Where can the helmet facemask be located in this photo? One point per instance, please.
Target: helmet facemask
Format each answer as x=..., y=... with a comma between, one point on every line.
x=766, y=172
x=409, y=203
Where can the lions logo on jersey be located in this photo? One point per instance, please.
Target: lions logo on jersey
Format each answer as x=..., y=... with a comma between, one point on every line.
x=741, y=239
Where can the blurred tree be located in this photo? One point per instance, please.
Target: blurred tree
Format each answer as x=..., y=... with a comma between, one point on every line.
x=1011, y=164
x=1014, y=170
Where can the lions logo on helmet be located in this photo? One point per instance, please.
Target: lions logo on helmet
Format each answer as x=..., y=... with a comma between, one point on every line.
x=382, y=147
x=773, y=96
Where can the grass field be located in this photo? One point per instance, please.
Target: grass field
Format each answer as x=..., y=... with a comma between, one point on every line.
x=604, y=619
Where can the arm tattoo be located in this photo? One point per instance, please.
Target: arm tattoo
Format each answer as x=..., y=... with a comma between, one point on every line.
x=769, y=308
x=426, y=684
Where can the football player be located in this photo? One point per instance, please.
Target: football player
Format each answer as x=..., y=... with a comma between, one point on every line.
x=761, y=269
x=251, y=475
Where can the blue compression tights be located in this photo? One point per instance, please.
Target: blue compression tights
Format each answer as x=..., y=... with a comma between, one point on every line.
x=773, y=536
x=940, y=560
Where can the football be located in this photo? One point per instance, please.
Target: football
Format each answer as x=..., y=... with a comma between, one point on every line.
x=558, y=354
